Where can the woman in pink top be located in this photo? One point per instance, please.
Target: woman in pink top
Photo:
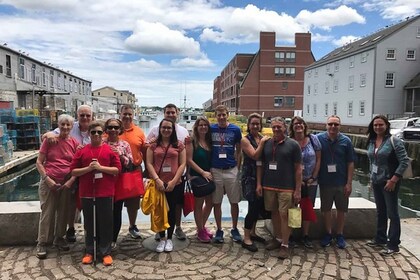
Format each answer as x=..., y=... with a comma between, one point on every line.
x=166, y=161
x=53, y=165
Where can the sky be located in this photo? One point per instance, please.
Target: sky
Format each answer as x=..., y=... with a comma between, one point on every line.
x=163, y=50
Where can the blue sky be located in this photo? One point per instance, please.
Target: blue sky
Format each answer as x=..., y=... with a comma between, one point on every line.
x=162, y=50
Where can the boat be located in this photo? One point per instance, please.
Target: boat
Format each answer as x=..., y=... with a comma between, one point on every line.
x=188, y=118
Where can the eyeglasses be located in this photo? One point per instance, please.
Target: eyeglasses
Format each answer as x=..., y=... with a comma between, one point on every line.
x=99, y=132
x=203, y=125
x=333, y=124
x=255, y=124
x=84, y=115
x=276, y=127
x=166, y=127
x=113, y=127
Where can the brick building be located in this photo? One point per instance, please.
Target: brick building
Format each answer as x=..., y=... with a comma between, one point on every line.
x=269, y=82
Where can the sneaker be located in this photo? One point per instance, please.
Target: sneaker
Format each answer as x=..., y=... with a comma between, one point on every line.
x=307, y=242
x=341, y=243
x=107, y=260
x=250, y=247
x=161, y=246
x=273, y=244
x=292, y=242
x=157, y=236
x=326, y=241
x=203, y=236
x=208, y=232
x=71, y=235
x=374, y=243
x=113, y=246
x=41, y=251
x=284, y=252
x=134, y=232
x=61, y=244
x=180, y=234
x=236, y=236
x=219, y=236
x=87, y=259
x=169, y=246
x=389, y=252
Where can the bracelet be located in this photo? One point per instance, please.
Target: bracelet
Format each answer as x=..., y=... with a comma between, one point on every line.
x=44, y=177
x=157, y=178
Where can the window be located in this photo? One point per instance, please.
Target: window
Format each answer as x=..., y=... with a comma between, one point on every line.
x=290, y=57
x=315, y=89
x=351, y=82
x=362, y=80
x=59, y=80
x=362, y=108
x=51, y=78
x=309, y=73
x=334, y=108
x=350, y=109
x=316, y=73
x=411, y=54
x=351, y=61
x=390, y=79
x=285, y=85
x=390, y=54
x=290, y=101
x=363, y=57
x=278, y=101
x=33, y=73
x=327, y=87
x=308, y=109
x=21, y=73
x=335, y=87
x=290, y=72
x=327, y=68
x=1, y=69
x=44, y=79
x=336, y=66
x=309, y=90
x=314, y=109
x=279, y=56
x=326, y=109
x=418, y=32
x=278, y=71
x=8, y=66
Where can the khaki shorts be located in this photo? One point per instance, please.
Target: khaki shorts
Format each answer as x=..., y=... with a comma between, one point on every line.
x=281, y=201
x=330, y=194
x=226, y=182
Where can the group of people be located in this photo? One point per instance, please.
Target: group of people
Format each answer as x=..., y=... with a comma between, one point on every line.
x=83, y=159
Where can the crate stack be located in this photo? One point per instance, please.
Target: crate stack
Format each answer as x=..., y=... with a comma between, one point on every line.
x=7, y=134
x=45, y=121
x=28, y=132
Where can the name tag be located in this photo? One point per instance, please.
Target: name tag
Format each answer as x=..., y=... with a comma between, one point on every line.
x=374, y=168
x=332, y=168
x=303, y=167
x=272, y=165
x=222, y=155
x=99, y=175
x=259, y=163
x=166, y=168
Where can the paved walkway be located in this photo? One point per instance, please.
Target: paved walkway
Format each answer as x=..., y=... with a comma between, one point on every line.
x=214, y=261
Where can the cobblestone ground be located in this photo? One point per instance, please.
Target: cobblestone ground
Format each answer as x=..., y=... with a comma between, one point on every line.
x=210, y=261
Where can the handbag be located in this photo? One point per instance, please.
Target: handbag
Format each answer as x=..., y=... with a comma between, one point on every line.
x=295, y=217
x=408, y=172
x=188, y=199
x=308, y=212
x=129, y=184
x=201, y=187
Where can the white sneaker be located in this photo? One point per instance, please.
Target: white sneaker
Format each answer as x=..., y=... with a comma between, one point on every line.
x=161, y=246
x=169, y=246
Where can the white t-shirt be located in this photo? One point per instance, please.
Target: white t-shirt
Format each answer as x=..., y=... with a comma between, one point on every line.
x=181, y=133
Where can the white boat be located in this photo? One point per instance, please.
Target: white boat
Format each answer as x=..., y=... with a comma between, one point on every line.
x=188, y=118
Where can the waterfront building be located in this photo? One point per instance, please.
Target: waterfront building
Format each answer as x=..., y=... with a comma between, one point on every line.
x=32, y=84
x=107, y=100
x=366, y=77
x=269, y=82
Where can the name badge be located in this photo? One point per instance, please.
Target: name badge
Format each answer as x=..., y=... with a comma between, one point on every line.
x=99, y=175
x=374, y=168
x=259, y=163
x=222, y=155
x=166, y=168
x=332, y=168
x=272, y=165
x=303, y=167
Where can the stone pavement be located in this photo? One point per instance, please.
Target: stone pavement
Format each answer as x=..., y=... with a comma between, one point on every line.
x=213, y=261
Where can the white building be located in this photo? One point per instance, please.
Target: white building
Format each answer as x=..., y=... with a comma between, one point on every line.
x=366, y=77
x=107, y=100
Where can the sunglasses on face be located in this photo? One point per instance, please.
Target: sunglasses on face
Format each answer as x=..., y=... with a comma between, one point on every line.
x=99, y=132
x=333, y=124
x=113, y=127
x=84, y=115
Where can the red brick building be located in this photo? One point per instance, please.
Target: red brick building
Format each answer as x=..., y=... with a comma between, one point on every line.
x=269, y=82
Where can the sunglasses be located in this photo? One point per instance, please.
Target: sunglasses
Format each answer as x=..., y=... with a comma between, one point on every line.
x=84, y=116
x=99, y=132
x=113, y=127
x=333, y=124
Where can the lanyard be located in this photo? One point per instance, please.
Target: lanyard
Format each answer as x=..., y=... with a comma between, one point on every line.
x=99, y=154
x=275, y=147
x=332, y=150
x=222, y=136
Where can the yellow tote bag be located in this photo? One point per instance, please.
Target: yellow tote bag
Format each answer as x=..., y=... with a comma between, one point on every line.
x=295, y=217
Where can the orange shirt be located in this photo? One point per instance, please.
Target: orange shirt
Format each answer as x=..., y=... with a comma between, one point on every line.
x=137, y=139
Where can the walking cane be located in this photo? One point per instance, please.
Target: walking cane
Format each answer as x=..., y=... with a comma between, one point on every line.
x=94, y=220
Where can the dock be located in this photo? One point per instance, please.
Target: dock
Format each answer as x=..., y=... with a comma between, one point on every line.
x=19, y=158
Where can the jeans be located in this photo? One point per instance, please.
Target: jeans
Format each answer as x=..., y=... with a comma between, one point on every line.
x=387, y=208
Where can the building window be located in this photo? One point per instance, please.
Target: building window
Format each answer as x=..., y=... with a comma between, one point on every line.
x=278, y=101
x=33, y=73
x=350, y=109
x=115, y=94
x=316, y=73
x=351, y=61
x=308, y=109
x=362, y=108
x=314, y=109
x=52, y=78
x=278, y=71
x=285, y=85
x=390, y=79
x=1, y=69
x=418, y=32
x=8, y=66
x=21, y=73
x=362, y=80
x=363, y=57
x=289, y=101
x=309, y=73
x=336, y=66
x=351, y=82
x=288, y=71
x=411, y=54
x=290, y=57
x=315, y=89
x=327, y=87
x=390, y=54
x=44, y=77
x=59, y=80
x=335, y=108
x=326, y=109
x=309, y=90
x=327, y=68
x=279, y=56
x=335, y=87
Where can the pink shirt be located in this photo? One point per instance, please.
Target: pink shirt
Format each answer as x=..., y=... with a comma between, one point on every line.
x=58, y=157
x=171, y=161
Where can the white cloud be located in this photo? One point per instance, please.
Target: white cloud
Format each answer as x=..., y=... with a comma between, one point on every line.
x=316, y=37
x=190, y=62
x=345, y=40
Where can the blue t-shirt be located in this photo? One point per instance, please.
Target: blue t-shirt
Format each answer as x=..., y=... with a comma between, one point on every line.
x=224, y=141
x=339, y=152
x=309, y=156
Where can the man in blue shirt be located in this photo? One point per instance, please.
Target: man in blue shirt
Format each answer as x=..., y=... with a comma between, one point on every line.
x=335, y=178
x=225, y=162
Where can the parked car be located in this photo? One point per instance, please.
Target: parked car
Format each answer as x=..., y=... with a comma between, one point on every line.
x=398, y=125
x=412, y=132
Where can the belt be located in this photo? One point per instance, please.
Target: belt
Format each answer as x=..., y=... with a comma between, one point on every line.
x=226, y=168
